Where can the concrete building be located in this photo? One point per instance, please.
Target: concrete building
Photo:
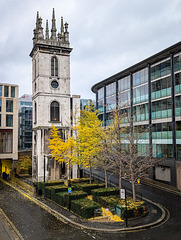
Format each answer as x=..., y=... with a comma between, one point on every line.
x=149, y=95
x=52, y=102
x=8, y=127
x=25, y=122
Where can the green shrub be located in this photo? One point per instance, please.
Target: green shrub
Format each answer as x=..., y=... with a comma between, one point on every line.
x=110, y=201
x=84, y=207
x=62, y=198
x=96, y=193
x=79, y=180
x=88, y=187
x=49, y=183
x=56, y=189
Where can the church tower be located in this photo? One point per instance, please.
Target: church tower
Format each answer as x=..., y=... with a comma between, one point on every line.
x=52, y=102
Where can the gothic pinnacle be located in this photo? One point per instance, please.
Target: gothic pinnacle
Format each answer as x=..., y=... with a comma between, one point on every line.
x=53, y=30
x=47, y=30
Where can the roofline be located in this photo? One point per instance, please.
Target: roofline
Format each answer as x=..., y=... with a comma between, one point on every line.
x=138, y=66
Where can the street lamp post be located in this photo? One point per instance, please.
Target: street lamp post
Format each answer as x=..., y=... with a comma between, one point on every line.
x=44, y=179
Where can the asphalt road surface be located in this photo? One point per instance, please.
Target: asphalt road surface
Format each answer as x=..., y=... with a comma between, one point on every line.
x=34, y=223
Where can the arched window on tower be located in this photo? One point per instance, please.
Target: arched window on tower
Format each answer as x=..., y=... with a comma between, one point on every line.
x=54, y=111
x=54, y=67
x=35, y=112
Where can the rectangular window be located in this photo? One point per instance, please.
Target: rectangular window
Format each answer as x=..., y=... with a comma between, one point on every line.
x=6, y=141
x=13, y=92
x=0, y=120
x=6, y=91
x=0, y=90
x=9, y=105
x=9, y=120
x=0, y=105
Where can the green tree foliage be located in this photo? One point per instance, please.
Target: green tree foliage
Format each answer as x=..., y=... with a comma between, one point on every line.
x=24, y=165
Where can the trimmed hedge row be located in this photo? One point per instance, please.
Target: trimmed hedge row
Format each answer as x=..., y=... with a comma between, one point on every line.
x=50, y=183
x=133, y=212
x=88, y=187
x=63, y=197
x=84, y=207
x=96, y=193
x=79, y=180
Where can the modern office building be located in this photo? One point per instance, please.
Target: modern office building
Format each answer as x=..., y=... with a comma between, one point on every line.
x=149, y=95
x=25, y=122
x=85, y=102
x=8, y=127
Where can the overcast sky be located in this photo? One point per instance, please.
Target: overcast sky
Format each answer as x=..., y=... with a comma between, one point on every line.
x=107, y=36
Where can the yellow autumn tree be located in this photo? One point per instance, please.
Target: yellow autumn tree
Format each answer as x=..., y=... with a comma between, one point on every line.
x=57, y=146
x=88, y=142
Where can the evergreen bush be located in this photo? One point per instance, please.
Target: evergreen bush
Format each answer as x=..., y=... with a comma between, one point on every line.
x=84, y=207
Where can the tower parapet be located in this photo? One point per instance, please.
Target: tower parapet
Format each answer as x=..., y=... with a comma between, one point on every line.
x=61, y=39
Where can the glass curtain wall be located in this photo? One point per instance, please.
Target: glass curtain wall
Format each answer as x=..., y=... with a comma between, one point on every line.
x=111, y=97
x=177, y=71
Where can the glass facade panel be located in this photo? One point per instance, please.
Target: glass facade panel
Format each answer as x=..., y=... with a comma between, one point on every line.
x=160, y=70
x=9, y=105
x=0, y=90
x=161, y=88
x=162, y=109
x=124, y=98
x=0, y=105
x=9, y=120
x=111, y=89
x=140, y=113
x=177, y=63
x=140, y=77
x=125, y=115
x=13, y=92
x=110, y=103
x=6, y=91
x=178, y=83
x=140, y=94
x=124, y=84
x=178, y=106
x=100, y=93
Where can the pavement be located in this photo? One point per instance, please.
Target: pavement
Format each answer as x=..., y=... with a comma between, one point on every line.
x=157, y=215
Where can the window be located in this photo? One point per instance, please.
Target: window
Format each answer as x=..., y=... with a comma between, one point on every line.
x=54, y=84
x=6, y=91
x=0, y=90
x=9, y=105
x=54, y=111
x=0, y=105
x=54, y=66
x=13, y=92
x=6, y=141
x=0, y=120
x=35, y=113
x=9, y=120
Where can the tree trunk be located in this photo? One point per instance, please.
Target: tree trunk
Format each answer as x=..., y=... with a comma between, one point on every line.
x=133, y=188
x=120, y=181
x=90, y=175
x=105, y=172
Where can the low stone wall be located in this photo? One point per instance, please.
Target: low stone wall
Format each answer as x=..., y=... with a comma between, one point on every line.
x=23, y=185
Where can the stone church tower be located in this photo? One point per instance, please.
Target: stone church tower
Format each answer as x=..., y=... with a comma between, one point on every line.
x=52, y=102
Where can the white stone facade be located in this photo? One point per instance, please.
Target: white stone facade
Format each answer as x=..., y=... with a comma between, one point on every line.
x=50, y=85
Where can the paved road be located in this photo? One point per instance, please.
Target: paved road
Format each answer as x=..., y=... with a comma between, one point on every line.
x=35, y=223
x=171, y=230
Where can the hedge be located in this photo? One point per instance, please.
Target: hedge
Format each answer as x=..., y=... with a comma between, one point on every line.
x=57, y=189
x=84, y=207
x=63, y=197
x=79, y=180
x=96, y=193
x=40, y=185
x=88, y=187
